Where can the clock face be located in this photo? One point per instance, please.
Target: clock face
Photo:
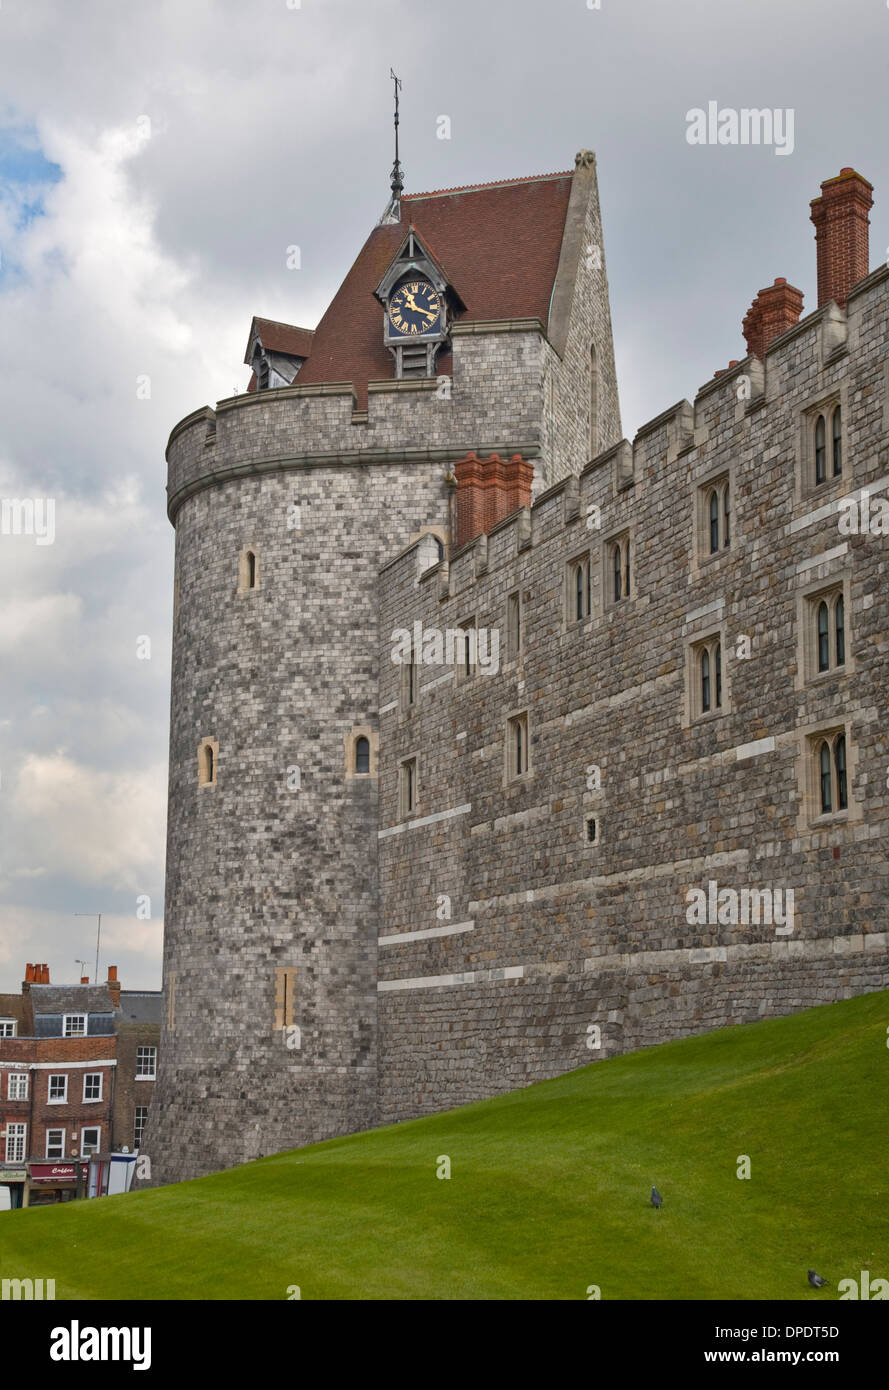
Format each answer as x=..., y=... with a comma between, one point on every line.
x=415, y=309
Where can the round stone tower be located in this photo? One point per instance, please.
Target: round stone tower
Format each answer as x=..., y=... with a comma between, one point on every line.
x=271, y=915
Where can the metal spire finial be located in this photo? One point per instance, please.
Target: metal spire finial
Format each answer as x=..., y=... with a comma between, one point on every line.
x=397, y=179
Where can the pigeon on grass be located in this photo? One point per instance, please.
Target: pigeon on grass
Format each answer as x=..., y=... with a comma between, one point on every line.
x=816, y=1281
x=656, y=1198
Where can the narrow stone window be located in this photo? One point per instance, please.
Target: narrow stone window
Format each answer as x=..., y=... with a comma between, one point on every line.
x=837, y=439
x=594, y=403
x=839, y=762
x=285, y=995
x=704, y=685
x=617, y=575
x=208, y=757
x=823, y=638
x=464, y=651
x=820, y=464
x=362, y=756
x=826, y=788
x=407, y=787
x=517, y=746
x=248, y=570
x=824, y=644
x=591, y=830
x=840, y=630
x=579, y=589
x=514, y=635
x=409, y=679
x=713, y=517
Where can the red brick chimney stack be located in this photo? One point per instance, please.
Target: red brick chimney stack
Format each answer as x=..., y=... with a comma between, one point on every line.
x=489, y=490
x=841, y=223
x=114, y=986
x=773, y=311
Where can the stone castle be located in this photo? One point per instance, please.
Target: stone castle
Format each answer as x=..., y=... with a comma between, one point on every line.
x=500, y=743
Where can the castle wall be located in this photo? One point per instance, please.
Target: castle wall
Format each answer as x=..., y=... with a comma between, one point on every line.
x=546, y=935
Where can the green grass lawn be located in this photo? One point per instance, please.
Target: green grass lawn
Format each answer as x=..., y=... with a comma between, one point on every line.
x=548, y=1191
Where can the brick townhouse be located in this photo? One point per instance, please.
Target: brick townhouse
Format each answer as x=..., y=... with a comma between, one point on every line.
x=77, y=1066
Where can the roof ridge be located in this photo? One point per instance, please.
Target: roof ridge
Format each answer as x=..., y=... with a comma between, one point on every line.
x=493, y=183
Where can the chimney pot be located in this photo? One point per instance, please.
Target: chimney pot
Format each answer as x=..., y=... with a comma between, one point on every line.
x=29, y=974
x=112, y=972
x=84, y=979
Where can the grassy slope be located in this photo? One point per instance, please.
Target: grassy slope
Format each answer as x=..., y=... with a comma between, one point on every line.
x=549, y=1189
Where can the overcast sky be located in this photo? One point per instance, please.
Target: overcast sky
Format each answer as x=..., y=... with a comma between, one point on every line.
x=157, y=159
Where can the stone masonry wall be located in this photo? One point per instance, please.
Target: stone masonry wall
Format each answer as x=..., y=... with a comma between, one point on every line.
x=546, y=935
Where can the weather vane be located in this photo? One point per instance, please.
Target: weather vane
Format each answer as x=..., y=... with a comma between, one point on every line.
x=397, y=179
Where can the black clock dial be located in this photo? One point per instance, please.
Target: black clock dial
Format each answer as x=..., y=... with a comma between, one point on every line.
x=415, y=310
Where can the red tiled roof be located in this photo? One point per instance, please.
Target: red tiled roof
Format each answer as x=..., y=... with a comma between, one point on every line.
x=281, y=337
x=497, y=243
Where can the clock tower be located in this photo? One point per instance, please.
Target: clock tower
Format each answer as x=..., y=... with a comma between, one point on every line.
x=418, y=306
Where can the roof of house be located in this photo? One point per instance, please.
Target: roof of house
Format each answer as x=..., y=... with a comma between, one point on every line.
x=280, y=337
x=498, y=245
x=71, y=999
x=140, y=1006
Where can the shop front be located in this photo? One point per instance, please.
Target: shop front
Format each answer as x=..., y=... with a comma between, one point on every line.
x=13, y=1188
x=53, y=1182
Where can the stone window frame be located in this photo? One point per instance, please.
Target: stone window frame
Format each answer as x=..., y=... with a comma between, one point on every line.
x=461, y=674
x=811, y=817
x=244, y=585
x=824, y=403
x=514, y=627
x=404, y=809
x=719, y=479
x=694, y=714
x=213, y=744
x=583, y=558
x=350, y=744
x=808, y=600
x=406, y=671
x=285, y=993
x=517, y=719
x=624, y=536
x=596, y=819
